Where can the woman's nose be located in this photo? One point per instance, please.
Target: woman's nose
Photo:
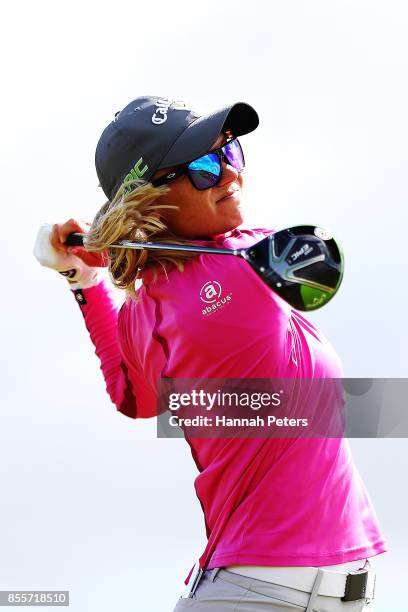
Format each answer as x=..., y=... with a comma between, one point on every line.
x=229, y=174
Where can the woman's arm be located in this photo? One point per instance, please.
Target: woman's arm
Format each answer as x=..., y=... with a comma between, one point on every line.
x=101, y=313
x=95, y=298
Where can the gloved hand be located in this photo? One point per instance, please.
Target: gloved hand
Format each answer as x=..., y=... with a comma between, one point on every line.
x=81, y=268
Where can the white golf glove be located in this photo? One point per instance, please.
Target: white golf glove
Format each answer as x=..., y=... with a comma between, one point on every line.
x=77, y=273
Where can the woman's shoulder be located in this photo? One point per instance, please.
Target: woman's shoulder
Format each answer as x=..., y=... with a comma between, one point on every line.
x=211, y=278
x=243, y=237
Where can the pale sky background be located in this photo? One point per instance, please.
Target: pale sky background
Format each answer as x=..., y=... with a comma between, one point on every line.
x=92, y=501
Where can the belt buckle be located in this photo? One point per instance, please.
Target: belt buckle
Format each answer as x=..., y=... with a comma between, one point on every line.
x=195, y=577
x=356, y=585
x=195, y=583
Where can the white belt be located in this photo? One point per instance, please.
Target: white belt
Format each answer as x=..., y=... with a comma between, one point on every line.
x=333, y=583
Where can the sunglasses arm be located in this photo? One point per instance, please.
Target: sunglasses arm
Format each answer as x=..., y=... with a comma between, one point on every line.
x=167, y=178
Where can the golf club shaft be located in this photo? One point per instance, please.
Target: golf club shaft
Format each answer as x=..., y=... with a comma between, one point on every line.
x=76, y=239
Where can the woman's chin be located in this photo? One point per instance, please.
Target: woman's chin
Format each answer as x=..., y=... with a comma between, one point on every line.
x=236, y=215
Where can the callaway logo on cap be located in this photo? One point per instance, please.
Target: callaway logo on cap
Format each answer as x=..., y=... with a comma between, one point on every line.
x=152, y=133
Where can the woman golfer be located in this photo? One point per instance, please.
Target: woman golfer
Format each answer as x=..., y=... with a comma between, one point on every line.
x=289, y=522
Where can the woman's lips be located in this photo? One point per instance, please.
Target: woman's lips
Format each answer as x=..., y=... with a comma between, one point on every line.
x=230, y=194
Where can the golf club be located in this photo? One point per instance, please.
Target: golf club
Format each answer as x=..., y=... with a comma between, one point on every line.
x=302, y=264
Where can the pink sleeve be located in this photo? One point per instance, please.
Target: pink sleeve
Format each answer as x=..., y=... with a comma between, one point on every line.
x=101, y=319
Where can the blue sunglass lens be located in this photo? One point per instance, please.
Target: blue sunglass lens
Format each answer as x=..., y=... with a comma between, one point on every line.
x=205, y=171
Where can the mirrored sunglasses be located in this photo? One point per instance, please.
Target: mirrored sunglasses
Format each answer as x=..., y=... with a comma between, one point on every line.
x=206, y=171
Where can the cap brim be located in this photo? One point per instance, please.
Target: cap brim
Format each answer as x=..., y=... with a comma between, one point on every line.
x=201, y=134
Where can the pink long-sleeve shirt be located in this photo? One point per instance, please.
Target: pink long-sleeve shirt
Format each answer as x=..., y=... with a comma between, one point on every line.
x=278, y=502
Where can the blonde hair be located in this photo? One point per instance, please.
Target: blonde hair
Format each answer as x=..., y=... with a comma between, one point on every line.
x=134, y=214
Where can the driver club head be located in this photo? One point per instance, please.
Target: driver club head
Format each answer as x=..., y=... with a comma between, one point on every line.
x=302, y=264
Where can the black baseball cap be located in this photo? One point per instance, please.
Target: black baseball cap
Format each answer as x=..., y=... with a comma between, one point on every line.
x=152, y=133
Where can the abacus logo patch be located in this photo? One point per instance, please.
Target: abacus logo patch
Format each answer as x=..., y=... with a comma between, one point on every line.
x=211, y=294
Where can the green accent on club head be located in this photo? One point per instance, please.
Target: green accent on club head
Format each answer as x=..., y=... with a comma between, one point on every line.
x=314, y=298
